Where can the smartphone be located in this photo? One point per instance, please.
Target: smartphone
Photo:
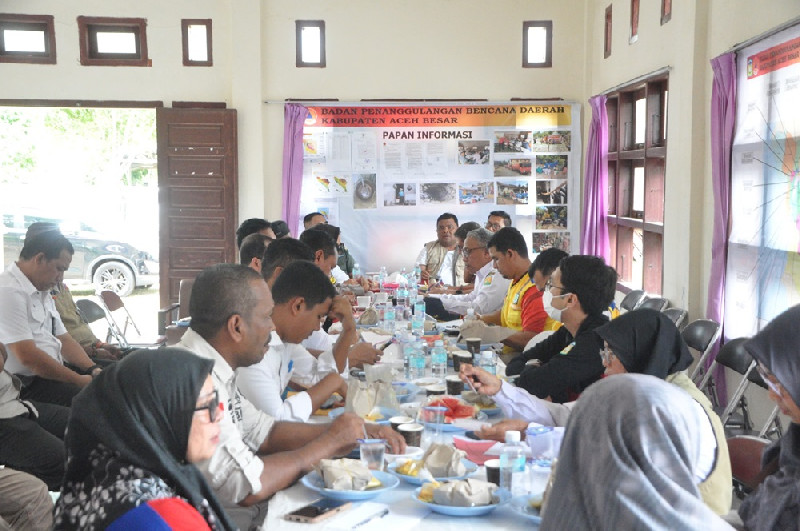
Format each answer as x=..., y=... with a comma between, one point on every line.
x=317, y=510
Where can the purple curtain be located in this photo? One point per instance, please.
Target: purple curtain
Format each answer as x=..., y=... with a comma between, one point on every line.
x=294, y=115
x=723, y=117
x=594, y=232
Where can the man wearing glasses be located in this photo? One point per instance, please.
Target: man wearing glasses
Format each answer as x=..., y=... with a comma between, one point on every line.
x=497, y=220
x=581, y=289
x=438, y=259
x=490, y=287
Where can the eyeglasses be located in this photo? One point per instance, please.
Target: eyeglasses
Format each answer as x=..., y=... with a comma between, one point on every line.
x=768, y=378
x=467, y=250
x=212, y=406
x=496, y=226
x=549, y=286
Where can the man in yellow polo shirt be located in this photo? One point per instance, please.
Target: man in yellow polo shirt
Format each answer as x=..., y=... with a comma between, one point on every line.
x=522, y=308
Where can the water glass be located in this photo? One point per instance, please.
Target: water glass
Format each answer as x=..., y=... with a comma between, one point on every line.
x=372, y=451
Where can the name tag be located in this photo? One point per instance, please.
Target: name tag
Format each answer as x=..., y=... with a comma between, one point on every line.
x=515, y=300
x=488, y=280
x=567, y=349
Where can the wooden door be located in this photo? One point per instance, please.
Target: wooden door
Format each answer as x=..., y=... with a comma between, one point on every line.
x=197, y=193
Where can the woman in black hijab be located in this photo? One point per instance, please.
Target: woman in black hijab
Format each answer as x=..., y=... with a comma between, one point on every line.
x=132, y=437
x=776, y=502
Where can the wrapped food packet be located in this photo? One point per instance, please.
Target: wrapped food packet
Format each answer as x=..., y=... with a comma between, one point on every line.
x=344, y=474
x=488, y=334
x=444, y=461
x=464, y=493
x=363, y=398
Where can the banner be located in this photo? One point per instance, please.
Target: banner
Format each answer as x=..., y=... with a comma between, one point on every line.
x=763, y=274
x=385, y=173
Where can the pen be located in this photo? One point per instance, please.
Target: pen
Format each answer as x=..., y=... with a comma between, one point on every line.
x=373, y=517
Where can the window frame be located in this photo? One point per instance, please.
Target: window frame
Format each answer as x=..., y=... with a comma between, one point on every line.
x=628, y=228
x=548, y=55
x=608, y=32
x=14, y=21
x=635, y=17
x=185, y=23
x=299, y=25
x=88, y=27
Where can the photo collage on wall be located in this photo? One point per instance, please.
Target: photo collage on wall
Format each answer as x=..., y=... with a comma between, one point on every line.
x=525, y=167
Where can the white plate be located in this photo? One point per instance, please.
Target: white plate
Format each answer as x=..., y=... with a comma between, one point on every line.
x=412, y=452
x=521, y=506
x=314, y=481
x=502, y=496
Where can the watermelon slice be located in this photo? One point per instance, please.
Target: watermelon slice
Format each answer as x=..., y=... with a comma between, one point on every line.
x=456, y=409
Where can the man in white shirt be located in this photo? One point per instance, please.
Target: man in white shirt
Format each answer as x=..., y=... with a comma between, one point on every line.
x=231, y=310
x=31, y=328
x=303, y=297
x=438, y=258
x=490, y=287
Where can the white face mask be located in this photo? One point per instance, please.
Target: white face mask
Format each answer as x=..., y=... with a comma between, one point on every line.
x=547, y=299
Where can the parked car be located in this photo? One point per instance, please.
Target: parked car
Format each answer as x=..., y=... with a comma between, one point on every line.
x=107, y=264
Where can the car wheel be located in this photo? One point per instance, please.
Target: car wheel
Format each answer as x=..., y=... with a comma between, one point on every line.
x=114, y=276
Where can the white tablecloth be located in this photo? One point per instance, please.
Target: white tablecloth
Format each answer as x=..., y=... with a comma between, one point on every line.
x=404, y=513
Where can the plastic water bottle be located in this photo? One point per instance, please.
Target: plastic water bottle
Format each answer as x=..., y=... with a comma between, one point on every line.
x=488, y=362
x=389, y=318
x=470, y=314
x=356, y=271
x=402, y=296
x=382, y=277
x=439, y=359
x=408, y=356
x=418, y=360
x=417, y=273
x=512, y=465
x=418, y=320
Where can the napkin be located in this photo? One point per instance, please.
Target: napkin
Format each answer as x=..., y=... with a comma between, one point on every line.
x=444, y=461
x=464, y=493
x=488, y=334
x=344, y=474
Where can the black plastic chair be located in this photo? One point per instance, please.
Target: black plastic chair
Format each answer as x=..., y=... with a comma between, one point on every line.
x=656, y=303
x=733, y=356
x=676, y=315
x=632, y=300
x=90, y=311
x=701, y=335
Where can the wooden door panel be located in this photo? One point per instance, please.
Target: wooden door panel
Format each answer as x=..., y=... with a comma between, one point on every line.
x=197, y=192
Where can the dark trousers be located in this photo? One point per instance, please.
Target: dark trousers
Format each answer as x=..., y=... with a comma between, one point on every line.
x=50, y=391
x=435, y=308
x=35, y=445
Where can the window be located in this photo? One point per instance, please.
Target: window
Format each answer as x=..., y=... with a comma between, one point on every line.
x=196, y=36
x=113, y=41
x=666, y=11
x=27, y=39
x=634, y=21
x=310, y=43
x=537, y=44
x=636, y=168
x=607, y=39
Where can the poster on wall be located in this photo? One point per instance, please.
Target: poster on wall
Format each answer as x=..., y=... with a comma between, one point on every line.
x=763, y=267
x=392, y=170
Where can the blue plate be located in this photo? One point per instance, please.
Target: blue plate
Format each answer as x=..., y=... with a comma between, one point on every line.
x=452, y=428
x=521, y=506
x=405, y=391
x=491, y=412
x=385, y=411
x=314, y=481
x=414, y=480
x=484, y=346
x=502, y=496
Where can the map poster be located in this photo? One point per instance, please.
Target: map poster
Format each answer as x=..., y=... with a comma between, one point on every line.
x=763, y=268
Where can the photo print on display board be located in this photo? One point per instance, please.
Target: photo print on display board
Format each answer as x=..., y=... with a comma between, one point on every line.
x=512, y=192
x=551, y=192
x=552, y=166
x=546, y=240
x=550, y=141
x=364, y=193
x=512, y=167
x=512, y=142
x=473, y=152
x=332, y=184
x=399, y=194
x=438, y=193
x=476, y=192
x=551, y=218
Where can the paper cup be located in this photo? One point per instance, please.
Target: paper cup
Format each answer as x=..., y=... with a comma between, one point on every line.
x=473, y=345
x=397, y=421
x=435, y=389
x=459, y=357
x=412, y=433
x=492, y=471
x=454, y=385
